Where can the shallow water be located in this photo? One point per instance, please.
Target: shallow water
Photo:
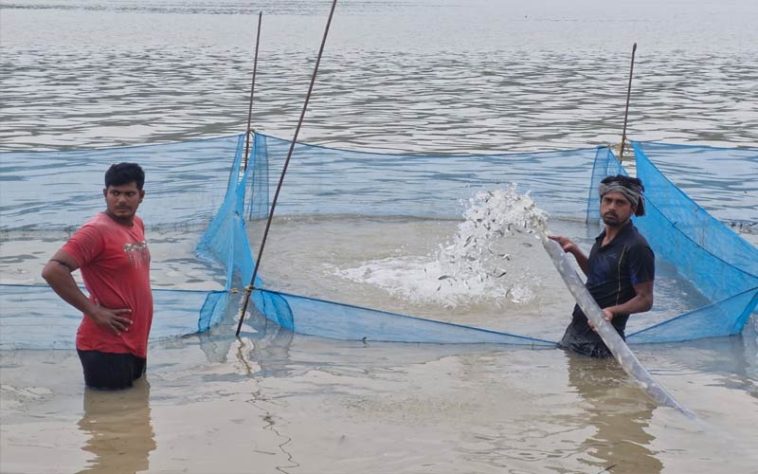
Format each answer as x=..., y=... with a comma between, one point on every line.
x=296, y=404
x=394, y=264
x=423, y=76
x=292, y=403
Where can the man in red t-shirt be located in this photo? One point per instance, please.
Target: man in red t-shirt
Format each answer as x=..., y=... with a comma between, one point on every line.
x=111, y=252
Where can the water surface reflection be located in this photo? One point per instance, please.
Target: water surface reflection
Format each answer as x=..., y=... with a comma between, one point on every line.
x=118, y=428
x=619, y=415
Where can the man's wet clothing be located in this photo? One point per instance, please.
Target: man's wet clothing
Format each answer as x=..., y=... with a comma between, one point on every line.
x=614, y=269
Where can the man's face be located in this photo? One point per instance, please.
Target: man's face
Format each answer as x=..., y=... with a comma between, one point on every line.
x=122, y=201
x=615, y=209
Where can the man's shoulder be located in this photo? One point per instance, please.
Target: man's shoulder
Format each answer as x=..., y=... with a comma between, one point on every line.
x=98, y=222
x=636, y=240
x=636, y=236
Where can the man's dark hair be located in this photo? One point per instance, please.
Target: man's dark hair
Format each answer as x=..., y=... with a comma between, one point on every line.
x=125, y=173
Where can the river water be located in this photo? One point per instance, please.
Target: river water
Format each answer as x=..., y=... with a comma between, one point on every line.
x=422, y=76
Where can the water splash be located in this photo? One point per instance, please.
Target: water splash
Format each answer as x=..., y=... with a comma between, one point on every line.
x=488, y=257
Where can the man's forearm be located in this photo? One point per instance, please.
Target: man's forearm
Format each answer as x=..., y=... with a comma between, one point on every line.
x=64, y=285
x=638, y=304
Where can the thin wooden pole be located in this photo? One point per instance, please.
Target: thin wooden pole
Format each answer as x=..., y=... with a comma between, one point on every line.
x=252, y=91
x=628, y=96
x=250, y=287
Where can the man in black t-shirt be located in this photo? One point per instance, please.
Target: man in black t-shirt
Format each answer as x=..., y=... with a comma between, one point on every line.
x=620, y=269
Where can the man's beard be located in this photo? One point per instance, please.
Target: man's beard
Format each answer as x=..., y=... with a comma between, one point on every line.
x=612, y=220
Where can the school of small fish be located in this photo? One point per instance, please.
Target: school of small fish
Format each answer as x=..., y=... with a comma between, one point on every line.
x=474, y=252
x=488, y=257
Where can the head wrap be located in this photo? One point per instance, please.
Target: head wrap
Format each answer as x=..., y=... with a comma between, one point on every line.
x=630, y=188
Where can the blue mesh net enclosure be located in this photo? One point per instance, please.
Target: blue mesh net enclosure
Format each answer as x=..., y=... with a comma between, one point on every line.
x=417, y=247
x=721, y=264
x=374, y=246
x=718, y=263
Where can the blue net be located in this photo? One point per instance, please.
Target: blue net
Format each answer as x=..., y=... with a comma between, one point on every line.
x=330, y=319
x=705, y=251
x=723, y=181
x=325, y=183
x=328, y=183
x=342, y=182
x=61, y=189
x=205, y=212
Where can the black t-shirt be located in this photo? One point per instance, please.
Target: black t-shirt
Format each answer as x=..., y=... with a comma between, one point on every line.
x=613, y=271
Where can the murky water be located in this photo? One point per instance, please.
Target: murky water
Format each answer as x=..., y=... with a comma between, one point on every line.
x=427, y=75
x=404, y=265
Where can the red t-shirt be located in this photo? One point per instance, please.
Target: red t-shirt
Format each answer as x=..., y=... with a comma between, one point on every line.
x=115, y=265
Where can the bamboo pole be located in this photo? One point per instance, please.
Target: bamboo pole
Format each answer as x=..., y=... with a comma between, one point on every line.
x=252, y=91
x=251, y=286
x=628, y=97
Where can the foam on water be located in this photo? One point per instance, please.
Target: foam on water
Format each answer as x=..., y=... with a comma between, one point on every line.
x=483, y=259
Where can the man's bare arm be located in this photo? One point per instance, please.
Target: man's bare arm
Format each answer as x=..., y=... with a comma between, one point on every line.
x=640, y=303
x=57, y=273
x=569, y=246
